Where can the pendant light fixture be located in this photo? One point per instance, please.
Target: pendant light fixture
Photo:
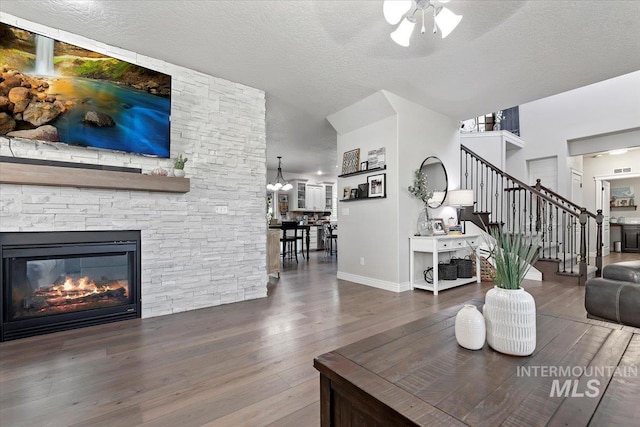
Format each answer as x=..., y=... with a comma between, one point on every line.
x=405, y=10
x=279, y=183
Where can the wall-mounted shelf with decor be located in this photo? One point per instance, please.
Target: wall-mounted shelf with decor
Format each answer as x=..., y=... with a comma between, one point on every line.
x=27, y=174
x=634, y=207
x=362, y=198
x=363, y=172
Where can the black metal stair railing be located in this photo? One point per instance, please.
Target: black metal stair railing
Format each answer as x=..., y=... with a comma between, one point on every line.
x=561, y=226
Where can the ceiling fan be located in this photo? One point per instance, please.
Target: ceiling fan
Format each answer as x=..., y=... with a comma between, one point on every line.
x=405, y=10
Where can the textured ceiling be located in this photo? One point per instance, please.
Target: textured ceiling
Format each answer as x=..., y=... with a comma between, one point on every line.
x=314, y=58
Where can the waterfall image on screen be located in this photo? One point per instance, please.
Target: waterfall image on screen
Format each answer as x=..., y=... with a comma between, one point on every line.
x=63, y=93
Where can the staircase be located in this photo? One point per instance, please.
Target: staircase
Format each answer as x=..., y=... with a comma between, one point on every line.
x=563, y=229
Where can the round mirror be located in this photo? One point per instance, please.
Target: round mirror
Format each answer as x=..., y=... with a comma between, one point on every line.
x=437, y=182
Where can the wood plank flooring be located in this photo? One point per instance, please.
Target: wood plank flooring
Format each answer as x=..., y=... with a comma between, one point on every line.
x=242, y=364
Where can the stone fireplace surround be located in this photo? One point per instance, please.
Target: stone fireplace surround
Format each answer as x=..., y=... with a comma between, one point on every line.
x=191, y=256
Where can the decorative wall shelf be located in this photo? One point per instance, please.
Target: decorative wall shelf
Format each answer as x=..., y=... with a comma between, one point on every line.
x=27, y=174
x=362, y=198
x=634, y=207
x=363, y=172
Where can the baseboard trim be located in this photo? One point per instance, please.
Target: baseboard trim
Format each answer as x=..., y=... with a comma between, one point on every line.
x=375, y=283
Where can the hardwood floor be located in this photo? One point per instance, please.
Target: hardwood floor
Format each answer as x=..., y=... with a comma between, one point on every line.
x=242, y=364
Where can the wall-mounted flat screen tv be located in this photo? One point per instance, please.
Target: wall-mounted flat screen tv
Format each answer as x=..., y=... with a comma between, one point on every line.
x=55, y=91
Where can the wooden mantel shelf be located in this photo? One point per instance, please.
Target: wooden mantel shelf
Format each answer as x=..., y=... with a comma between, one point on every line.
x=26, y=174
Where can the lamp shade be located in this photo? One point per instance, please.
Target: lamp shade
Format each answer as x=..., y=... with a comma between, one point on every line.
x=461, y=198
x=447, y=21
x=394, y=10
x=402, y=34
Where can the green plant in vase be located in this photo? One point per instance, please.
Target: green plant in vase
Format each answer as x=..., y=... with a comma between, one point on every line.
x=512, y=255
x=421, y=190
x=178, y=165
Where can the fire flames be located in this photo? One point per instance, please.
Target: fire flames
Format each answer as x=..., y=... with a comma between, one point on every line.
x=78, y=288
x=75, y=294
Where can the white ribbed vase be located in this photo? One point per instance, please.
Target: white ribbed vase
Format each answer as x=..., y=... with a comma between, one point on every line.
x=470, y=329
x=510, y=318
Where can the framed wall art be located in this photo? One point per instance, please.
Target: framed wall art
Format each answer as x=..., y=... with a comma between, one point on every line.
x=351, y=161
x=363, y=190
x=377, y=185
x=376, y=158
x=346, y=193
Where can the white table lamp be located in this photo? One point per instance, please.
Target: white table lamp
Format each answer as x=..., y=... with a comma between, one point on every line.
x=459, y=199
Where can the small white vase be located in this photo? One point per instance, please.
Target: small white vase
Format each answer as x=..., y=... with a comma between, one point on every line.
x=179, y=173
x=470, y=328
x=510, y=318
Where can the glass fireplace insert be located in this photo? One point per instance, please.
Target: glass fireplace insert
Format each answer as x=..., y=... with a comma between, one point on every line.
x=54, y=281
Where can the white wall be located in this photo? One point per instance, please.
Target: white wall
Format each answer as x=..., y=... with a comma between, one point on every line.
x=493, y=146
x=378, y=230
x=191, y=257
x=422, y=133
x=547, y=124
x=368, y=228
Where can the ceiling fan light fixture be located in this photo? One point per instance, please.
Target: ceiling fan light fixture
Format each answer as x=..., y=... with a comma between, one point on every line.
x=405, y=12
x=394, y=10
x=447, y=21
x=402, y=34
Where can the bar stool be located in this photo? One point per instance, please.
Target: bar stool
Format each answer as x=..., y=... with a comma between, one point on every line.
x=329, y=238
x=289, y=242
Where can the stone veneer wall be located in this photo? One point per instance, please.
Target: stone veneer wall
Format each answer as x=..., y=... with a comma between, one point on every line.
x=192, y=257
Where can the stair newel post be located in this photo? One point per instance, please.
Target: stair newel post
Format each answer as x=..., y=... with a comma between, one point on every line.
x=599, y=219
x=582, y=271
x=538, y=207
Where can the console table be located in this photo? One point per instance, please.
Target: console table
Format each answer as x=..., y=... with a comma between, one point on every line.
x=437, y=245
x=417, y=375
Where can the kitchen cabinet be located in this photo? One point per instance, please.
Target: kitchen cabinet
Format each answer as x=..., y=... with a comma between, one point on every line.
x=313, y=239
x=273, y=252
x=315, y=198
x=328, y=197
x=631, y=238
x=298, y=196
x=310, y=197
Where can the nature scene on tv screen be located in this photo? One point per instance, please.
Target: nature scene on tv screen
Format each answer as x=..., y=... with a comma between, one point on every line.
x=55, y=91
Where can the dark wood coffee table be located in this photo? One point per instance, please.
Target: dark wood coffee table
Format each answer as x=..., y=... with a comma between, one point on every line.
x=417, y=375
